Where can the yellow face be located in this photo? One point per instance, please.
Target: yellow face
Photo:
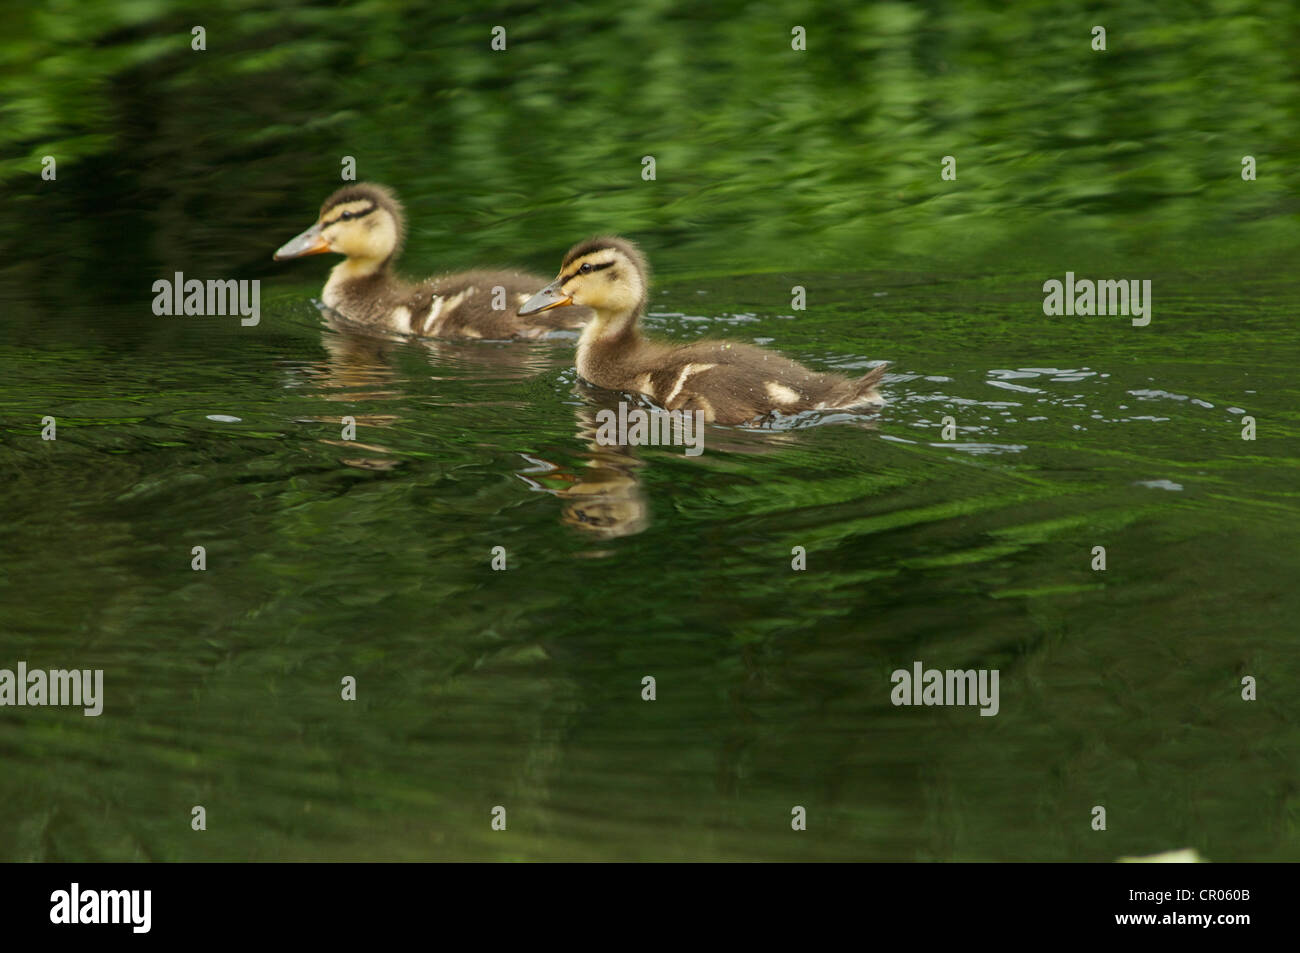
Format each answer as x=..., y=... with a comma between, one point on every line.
x=605, y=280
x=361, y=229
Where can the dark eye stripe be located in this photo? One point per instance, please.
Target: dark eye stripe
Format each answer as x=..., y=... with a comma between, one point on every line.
x=594, y=268
x=345, y=216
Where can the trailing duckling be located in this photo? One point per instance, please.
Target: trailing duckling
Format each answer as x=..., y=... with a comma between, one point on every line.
x=365, y=223
x=730, y=383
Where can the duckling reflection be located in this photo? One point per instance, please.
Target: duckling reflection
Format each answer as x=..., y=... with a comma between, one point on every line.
x=361, y=365
x=367, y=350
x=357, y=367
x=604, y=498
x=491, y=361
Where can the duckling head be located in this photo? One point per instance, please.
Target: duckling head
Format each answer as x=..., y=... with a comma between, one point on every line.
x=363, y=221
x=607, y=274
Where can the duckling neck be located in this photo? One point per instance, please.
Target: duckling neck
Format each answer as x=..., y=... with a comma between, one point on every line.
x=349, y=269
x=352, y=274
x=608, y=345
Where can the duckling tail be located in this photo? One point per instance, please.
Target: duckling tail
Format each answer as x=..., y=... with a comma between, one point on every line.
x=863, y=390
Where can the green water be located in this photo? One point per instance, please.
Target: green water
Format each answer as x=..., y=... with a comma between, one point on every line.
x=476, y=688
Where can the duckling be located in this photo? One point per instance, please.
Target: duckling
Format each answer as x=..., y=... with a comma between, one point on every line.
x=730, y=383
x=365, y=223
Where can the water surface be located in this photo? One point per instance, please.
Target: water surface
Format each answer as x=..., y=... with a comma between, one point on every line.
x=522, y=688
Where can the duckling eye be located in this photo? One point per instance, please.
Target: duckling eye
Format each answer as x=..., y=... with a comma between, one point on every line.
x=586, y=267
x=348, y=216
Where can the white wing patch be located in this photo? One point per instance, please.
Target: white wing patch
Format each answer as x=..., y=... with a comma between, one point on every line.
x=780, y=394
x=687, y=372
x=431, y=321
x=442, y=309
x=456, y=300
x=402, y=319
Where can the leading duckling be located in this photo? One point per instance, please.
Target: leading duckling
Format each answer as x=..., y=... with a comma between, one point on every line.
x=365, y=223
x=730, y=383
